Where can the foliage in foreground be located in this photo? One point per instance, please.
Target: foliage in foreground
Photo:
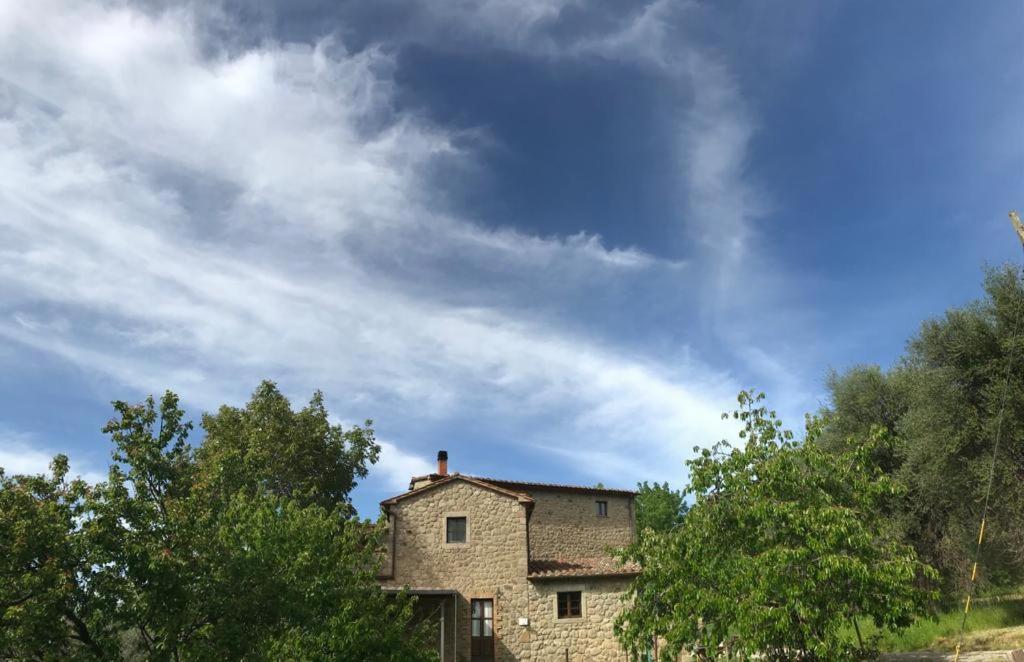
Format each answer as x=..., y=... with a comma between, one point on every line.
x=941, y=404
x=244, y=548
x=782, y=548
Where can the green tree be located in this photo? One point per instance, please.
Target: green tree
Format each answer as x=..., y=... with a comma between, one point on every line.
x=46, y=610
x=219, y=552
x=658, y=507
x=780, y=552
x=864, y=397
x=942, y=402
x=297, y=454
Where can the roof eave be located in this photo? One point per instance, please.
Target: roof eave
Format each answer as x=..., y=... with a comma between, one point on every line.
x=589, y=575
x=419, y=591
x=524, y=499
x=554, y=487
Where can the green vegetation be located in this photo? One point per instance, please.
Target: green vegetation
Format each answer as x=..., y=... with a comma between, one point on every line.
x=658, y=507
x=940, y=404
x=782, y=548
x=834, y=546
x=828, y=547
x=942, y=631
x=246, y=547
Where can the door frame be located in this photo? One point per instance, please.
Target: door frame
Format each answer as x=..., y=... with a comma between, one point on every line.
x=494, y=624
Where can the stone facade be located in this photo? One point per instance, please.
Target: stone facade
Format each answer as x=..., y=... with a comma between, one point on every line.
x=508, y=533
x=586, y=638
x=566, y=525
x=491, y=564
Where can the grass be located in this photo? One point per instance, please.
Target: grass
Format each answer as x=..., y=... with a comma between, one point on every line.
x=941, y=633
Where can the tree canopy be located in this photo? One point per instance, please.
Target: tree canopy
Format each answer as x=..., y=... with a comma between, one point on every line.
x=246, y=547
x=941, y=403
x=659, y=508
x=299, y=455
x=781, y=551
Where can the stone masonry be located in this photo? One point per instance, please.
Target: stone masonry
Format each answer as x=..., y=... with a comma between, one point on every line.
x=525, y=543
x=564, y=524
x=587, y=638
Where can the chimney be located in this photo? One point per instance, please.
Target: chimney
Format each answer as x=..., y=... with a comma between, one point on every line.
x=442, y=463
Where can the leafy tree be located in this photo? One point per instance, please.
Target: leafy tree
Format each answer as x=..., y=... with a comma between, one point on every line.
x=45, y=607
x=658, y=507
x=299, y=455
x=864, y=397
x=942, y=402
x=780, y=552
x=225, y=551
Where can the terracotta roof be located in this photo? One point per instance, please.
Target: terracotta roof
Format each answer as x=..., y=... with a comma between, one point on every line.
x=603, y=566
x=558, y=487
x=487, y=485
x=432, y=477
x=419, y=590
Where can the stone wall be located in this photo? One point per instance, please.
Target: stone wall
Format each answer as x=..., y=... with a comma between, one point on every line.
x=565, y=525
x=492, y=564
x=587, y=639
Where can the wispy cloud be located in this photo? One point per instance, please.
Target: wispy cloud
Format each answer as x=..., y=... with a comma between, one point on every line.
x=649, y=36
x=715, y=131
x=194, y=220
x=722, y=204
x=715, y=126
x=716, y=134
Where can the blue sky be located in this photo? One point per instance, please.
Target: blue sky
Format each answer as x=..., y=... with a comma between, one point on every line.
x=550, y=236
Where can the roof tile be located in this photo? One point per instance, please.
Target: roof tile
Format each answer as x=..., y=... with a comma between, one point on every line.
x=581, y=567
x=526, y=485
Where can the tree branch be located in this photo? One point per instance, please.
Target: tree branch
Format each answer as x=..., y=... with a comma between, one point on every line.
x=82, y=633
x=19, y=601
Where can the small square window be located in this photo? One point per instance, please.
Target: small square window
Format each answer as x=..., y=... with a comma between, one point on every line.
x=455, y=529
x=602, y=509
x=570, y=604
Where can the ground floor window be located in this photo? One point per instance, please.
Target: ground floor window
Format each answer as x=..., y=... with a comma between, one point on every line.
x=570, y=604
x=481, y=620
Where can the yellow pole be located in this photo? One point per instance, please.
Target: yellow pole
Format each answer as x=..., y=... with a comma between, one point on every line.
x=1018, y=227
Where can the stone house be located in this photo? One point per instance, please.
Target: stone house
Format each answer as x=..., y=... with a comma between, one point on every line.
x=511, y=570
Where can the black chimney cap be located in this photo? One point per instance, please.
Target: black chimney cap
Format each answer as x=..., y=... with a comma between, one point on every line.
x=442, y=455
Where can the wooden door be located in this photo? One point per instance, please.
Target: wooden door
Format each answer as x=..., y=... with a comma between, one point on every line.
x=481, y=622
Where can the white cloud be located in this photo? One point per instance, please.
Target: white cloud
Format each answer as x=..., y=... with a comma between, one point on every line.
x=17, y=456
x=398, y=466
x=111, y=120
x=21, y=454
x=722, y=203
